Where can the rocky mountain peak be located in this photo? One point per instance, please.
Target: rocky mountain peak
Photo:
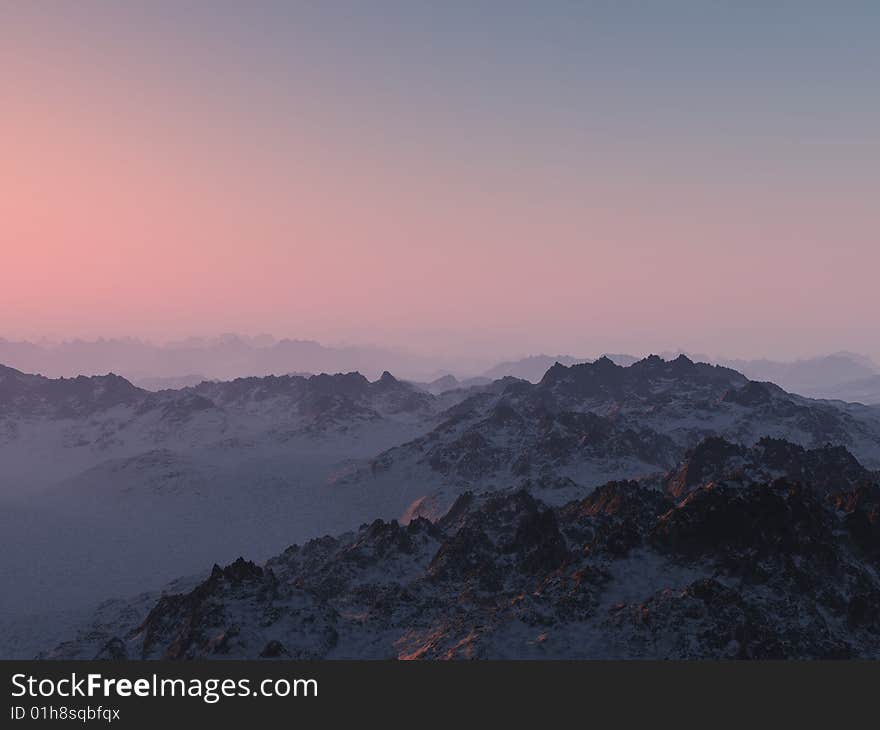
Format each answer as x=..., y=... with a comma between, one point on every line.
x=388, y=379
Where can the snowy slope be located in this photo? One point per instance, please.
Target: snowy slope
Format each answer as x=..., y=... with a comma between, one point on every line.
x=586, y=424
x=745, y=570
x=108, y=487
x=112, y=490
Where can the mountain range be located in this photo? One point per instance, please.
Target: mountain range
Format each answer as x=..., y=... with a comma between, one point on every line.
x=720, y=568
x=219, y=358
x=841, y=376
x=588, y=423
x=114, y=490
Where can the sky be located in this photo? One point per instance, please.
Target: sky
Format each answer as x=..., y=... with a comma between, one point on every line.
x=475, y=177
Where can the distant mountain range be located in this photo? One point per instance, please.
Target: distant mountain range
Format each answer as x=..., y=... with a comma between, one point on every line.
x=113, y=489
x=844, y=376
x=840, y=376
x=189, y=362
x=220, y=358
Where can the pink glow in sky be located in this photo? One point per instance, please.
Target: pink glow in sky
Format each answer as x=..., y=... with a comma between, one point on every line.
x=163, y=184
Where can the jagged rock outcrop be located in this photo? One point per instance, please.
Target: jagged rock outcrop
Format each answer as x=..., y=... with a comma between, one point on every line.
x=715, y=459
x=240, y=610
x=597, y=421
x=761, y=570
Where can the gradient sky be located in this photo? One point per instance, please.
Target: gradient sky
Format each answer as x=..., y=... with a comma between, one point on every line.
x=496, y=177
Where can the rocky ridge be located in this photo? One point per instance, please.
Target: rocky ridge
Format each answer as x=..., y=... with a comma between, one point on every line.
x=731, y=568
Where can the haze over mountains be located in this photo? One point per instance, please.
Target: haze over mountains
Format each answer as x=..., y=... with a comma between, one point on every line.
x=844, y=375
x=491, y=249
x=221, y=358
x=114, y=490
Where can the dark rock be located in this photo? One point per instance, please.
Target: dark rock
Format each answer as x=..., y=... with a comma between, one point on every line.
x=273, y=650
x=114, y=650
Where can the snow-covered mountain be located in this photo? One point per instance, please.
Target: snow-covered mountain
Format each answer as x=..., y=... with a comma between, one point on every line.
x=114, y=490
x=111, y=487
x=53, y=428
x=729, y=569
x=588, y=423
